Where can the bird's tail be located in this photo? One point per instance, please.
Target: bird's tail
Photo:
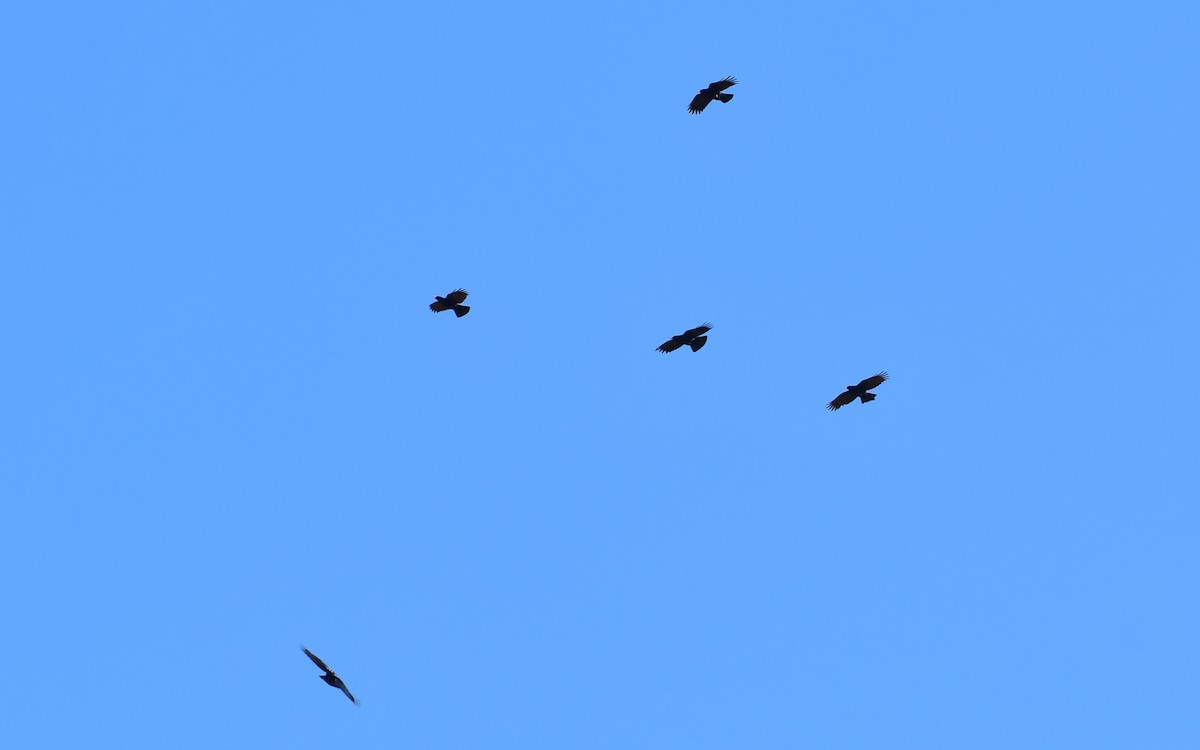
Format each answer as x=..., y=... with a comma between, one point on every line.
x=866, y=397
x=724, y=97
x=698, y=343
x=461, y=310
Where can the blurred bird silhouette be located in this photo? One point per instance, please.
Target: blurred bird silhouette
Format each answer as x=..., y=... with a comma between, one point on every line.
x=452, y=301
x=858, y=392
x=714, y=91
x=693, y=337
x=330, y=677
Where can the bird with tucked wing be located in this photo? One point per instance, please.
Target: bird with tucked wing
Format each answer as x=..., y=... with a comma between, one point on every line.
x=858, y=392
x=452, y=301
x=330, y=677
x=693, y=337
x=715, y=90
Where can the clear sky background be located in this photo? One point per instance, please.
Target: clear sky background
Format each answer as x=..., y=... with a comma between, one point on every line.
x=231, y=425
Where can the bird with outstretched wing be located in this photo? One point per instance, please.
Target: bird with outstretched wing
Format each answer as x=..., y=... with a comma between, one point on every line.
x=716, y=91
x=330, y=677
x=693, y=337
x=857, y=392
x=452, y=301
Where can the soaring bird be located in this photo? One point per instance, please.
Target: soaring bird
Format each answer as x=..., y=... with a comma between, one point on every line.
x=858, y=392
x=330, y=677
x=714, y=91
x=452, y=301
x=693, y=337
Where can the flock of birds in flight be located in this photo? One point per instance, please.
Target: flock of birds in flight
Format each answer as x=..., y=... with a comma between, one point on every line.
x=695, y=338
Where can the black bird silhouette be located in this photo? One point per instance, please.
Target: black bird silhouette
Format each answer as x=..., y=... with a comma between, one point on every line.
x=452, y=301
x=858, y=392
x=694, y=338
x=714, y=91
x=330, y=677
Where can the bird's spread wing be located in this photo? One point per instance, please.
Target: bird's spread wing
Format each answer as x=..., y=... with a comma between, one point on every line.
x=873, y=381
x=699, y=102
x=317, y=660
x=442, y=306
x=722, y=84
x=348, y=695
x=840, y=401
x=672, y=345
x=457, y=297
x=698, y=331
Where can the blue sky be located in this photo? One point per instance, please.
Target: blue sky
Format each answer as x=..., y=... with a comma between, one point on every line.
x=232, y=426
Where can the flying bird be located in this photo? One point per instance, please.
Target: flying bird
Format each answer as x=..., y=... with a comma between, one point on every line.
x=715, y=90
x=452, y=301
x=858, y=392
x=693, y=337
x=330, y=677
